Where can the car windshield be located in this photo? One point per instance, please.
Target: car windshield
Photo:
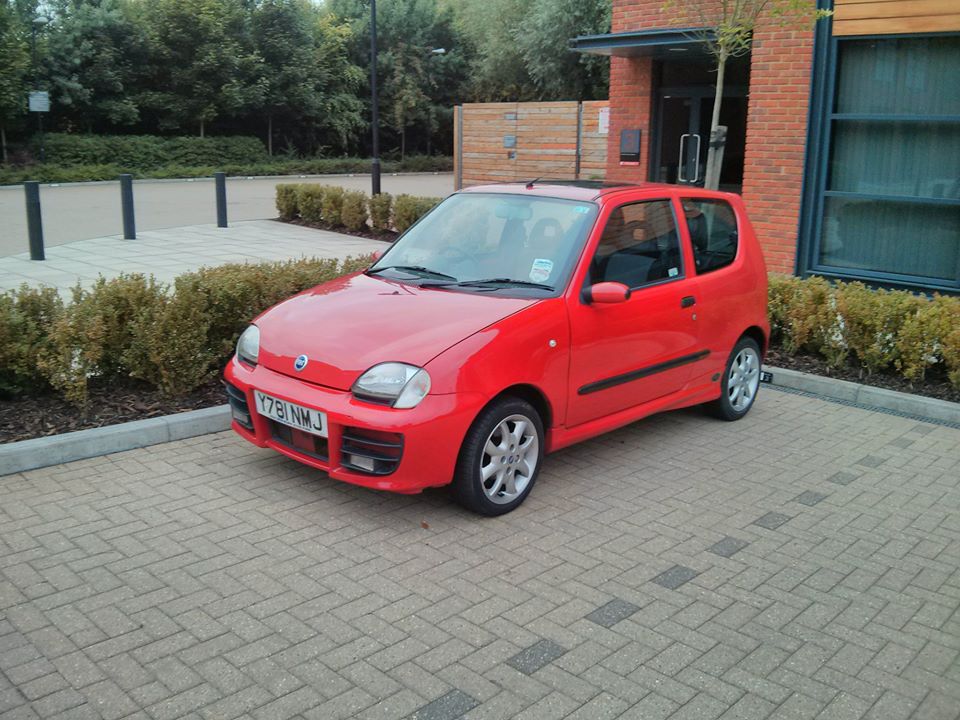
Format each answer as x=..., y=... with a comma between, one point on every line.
x=492, y=242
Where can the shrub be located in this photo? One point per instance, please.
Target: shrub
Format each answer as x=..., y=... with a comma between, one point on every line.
x=143, y=152
x=287, y=202
x=182, y=168
x=26, y=316
x=173, y=338
x=407, y=209
x=92, y=336
x=872, y=321
x=381, y=211
x=930, y=336
x=310, y=202
x=353, y=211
x=332, y=205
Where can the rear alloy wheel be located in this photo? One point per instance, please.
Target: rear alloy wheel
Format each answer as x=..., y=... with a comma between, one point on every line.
x=740, y=382
x=500, y=458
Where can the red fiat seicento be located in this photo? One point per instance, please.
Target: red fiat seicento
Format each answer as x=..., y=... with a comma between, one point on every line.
x=510, y=321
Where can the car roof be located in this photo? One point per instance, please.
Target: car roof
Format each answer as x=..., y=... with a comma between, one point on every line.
x=583, y=189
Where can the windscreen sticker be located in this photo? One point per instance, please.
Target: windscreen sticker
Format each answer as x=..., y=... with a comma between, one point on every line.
x=582, y=209
x=673, y=272
x=541, y=269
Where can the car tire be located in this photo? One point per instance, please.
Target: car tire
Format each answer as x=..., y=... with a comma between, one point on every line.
x=503, y=450
x=739, y=383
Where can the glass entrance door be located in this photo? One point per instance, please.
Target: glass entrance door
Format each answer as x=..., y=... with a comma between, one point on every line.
x=683, y=127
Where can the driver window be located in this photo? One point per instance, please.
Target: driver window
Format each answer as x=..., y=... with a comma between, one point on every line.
x=640, y=246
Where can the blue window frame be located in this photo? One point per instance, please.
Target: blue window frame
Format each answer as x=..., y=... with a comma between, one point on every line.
x=882, y=192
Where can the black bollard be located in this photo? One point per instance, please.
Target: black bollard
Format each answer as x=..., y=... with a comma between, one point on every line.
x=34, y=222
x=126, y=205
x=220, y=180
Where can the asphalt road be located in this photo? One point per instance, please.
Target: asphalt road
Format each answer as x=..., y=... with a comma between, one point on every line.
x=89, y=210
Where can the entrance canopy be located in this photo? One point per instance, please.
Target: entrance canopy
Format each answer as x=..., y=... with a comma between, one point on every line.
x=673, y=43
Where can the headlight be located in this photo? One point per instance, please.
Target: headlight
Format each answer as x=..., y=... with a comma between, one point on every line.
x=397, y=384
x=248, y=346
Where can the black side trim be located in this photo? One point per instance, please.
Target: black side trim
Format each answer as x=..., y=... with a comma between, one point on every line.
x=641, y=373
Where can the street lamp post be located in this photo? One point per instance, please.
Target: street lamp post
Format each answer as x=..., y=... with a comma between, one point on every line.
x=37, y=23
x=374, y=105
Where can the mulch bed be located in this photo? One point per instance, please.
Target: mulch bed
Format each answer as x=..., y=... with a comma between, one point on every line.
x=25, y=418
x=387, y=237
x=935, y=385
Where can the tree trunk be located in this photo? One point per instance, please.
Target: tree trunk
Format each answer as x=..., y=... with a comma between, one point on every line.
x=202, y=122
x=3, y=141
x=711, y=178
x=403, y=143
x=270, y=134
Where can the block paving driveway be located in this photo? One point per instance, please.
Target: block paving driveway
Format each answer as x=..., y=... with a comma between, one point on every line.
x=802, y=563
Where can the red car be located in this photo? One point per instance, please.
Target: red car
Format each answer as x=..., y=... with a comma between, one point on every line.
x=510, y=321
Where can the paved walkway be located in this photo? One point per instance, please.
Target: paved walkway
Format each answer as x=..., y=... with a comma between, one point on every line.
x=802, y=563
x=87, y=210
x=168, y=253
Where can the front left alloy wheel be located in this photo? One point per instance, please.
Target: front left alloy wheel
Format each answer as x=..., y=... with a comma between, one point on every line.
x=500, y=457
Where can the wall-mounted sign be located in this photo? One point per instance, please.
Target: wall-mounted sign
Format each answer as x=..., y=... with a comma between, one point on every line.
x=603, y=126
x=509, y=141
x=39, y=101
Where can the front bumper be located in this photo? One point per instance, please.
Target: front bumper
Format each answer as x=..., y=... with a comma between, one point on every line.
x=430, y=434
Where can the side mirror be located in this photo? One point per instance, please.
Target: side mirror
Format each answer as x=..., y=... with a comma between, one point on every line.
x=606, y=293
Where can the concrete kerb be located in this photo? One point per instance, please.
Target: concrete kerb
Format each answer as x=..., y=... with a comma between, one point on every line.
x=867, y=395
x=56, y=449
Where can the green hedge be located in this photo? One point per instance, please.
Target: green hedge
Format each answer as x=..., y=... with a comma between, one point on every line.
x=55, y=173
x=176, y=337
x=332, y=206
x=145, y=152
x=173, y=338
x=878, y=330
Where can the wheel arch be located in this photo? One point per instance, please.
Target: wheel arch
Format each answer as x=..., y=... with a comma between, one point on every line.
x=533, y=395
x=756, y=334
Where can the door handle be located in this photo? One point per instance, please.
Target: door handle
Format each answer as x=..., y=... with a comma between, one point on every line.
x=682, y=160
x=688, y=301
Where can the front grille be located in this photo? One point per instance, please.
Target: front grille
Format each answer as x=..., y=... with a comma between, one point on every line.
x=238, y=406
x=370, y=451
x=303, y=442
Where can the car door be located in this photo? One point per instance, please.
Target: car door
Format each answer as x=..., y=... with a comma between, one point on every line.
x=626, y=354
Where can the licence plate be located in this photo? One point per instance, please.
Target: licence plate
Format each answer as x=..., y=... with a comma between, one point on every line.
x=296, y=416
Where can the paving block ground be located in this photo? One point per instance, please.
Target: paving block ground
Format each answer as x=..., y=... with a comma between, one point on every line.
x=802, y=563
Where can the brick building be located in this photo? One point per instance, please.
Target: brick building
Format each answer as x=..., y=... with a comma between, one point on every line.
x=844, y=138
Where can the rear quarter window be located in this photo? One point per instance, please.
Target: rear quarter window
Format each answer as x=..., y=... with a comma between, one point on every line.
x=714, y=233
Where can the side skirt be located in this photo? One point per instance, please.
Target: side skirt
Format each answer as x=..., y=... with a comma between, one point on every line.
x=561, y=437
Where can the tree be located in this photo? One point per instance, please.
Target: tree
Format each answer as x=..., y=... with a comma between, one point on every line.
x=418, y=87
x=93, y=53
x=731, y=24
x=203, y=63
x=543, y=39
x=14, y=64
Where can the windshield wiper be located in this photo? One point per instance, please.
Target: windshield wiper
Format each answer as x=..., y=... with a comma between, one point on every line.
x=506, y=281
x=414, y=269
x=488, y=282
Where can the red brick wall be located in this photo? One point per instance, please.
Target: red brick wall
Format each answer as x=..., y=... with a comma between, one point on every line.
x=776, y=119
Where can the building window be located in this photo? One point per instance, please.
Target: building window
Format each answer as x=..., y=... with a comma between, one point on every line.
x=891, y=197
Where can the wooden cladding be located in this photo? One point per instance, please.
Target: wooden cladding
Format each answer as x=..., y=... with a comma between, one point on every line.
x=888, y=17
x=503, y=142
